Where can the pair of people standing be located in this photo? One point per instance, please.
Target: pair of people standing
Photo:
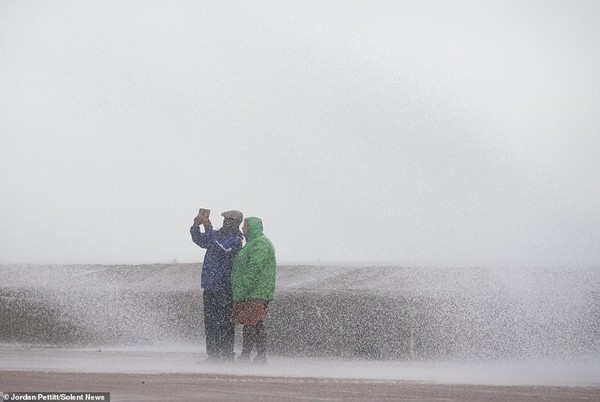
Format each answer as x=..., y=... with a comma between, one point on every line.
x=238, y=283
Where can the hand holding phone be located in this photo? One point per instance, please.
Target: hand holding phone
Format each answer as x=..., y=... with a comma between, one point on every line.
x=202, y=217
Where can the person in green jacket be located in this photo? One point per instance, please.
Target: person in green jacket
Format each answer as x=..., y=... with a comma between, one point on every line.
x=253, y=286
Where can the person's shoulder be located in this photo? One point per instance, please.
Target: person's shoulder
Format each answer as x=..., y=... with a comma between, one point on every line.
x=237, y=235
x=263, y=242
x=266, y=240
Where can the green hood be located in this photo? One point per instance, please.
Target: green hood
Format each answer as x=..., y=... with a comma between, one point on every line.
x=253, y=273
x=255, y=228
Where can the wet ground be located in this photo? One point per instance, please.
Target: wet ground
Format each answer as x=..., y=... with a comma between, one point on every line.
x=212, y=387
x=177, y=373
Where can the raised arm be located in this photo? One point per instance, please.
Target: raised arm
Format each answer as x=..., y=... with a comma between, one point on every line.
x=202, y=239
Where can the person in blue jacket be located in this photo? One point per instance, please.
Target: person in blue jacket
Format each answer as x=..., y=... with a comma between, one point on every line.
x=221, y=247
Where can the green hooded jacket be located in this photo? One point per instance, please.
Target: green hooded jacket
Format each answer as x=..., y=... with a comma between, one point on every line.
x=253, y=273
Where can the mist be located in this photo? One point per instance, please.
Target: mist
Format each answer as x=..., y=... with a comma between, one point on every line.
x=403, y=133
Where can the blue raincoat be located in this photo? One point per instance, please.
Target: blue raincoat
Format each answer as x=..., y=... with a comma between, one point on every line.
x=218, y=260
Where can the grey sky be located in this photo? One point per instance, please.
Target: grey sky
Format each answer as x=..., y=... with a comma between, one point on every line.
x=385, y=132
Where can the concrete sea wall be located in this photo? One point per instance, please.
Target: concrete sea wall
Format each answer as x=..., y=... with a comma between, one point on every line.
x=367, y=312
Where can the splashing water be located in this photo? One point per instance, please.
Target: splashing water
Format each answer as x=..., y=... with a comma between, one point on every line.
x=386, y=313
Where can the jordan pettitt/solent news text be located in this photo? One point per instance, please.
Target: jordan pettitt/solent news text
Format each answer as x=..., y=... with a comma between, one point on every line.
x=55, y=396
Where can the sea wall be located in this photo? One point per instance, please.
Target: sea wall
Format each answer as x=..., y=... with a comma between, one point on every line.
x=368, y=312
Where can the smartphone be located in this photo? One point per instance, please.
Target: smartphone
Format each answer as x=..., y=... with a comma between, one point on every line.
x=205, y=213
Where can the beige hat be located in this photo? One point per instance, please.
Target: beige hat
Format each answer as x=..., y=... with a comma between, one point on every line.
x=233, y=214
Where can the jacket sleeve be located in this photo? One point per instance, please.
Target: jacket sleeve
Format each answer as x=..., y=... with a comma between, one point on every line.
x=201, y=239
x=230, y=244
x=238, y=285
x=263, y=273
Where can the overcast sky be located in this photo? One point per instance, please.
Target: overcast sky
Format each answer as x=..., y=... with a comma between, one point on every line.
x=414, y=133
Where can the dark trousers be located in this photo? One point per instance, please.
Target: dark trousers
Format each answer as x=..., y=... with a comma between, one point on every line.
x=217, y=326
x=254, y=336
